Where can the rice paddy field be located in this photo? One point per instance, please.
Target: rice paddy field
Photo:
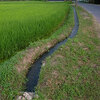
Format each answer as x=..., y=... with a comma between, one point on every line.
x=22, y=24
x=26, y=21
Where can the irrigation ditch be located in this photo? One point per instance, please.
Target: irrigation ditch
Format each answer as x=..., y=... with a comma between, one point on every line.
x=34, y=71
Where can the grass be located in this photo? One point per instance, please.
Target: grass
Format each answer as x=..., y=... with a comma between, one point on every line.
x=73, y=71
x=11, y=81
x=24, y=22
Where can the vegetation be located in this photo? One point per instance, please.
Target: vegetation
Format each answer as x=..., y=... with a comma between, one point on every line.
x=11, y=81
x=24, y=22
x=73, y=71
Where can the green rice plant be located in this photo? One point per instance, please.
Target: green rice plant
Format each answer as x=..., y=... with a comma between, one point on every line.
x=24, y=22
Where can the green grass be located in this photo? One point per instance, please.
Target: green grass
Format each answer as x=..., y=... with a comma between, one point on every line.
x=11, y=81
x=24, y=22
x=73, y=71
x=23, y=0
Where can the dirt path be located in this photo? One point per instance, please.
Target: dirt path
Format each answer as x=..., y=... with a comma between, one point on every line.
x=92, y=8
x=95, y=11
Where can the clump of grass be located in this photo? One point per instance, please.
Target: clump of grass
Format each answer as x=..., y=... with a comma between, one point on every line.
x=24, y=22
x=73, y=72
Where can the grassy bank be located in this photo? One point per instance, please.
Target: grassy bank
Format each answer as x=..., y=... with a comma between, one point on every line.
x=24, y=22
x=13, y=70
x=73, y=71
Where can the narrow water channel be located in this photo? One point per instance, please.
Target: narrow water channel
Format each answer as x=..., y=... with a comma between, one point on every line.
x=34, y=71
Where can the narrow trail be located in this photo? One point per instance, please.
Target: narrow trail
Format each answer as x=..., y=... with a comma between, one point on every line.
x=34, y=71
x=94, y=9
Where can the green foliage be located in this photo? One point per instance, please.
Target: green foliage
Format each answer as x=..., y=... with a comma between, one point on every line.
x=24, y=22
x=11, y=81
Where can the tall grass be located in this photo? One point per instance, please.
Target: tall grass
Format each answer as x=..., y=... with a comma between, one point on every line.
x=24, y=22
